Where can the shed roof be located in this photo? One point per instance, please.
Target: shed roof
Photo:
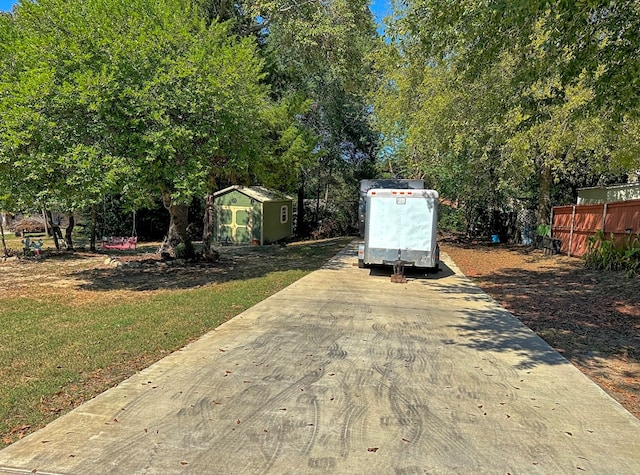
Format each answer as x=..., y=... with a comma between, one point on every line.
x=612, y=187
x=258, y=193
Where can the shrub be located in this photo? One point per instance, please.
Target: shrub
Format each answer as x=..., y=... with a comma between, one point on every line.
x=180, y=250
x=605, y=254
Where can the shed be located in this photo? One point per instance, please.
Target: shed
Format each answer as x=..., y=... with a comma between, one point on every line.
x=252, y=215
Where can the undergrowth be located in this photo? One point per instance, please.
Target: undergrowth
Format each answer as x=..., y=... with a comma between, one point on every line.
x=608, y=254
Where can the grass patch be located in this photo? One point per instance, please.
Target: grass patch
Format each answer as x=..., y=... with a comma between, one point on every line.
x=63, y=348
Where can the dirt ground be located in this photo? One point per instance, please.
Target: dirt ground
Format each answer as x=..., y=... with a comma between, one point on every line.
x=89, y=275
x=592, y=318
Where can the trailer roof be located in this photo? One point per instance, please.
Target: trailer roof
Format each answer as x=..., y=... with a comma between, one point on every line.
x=407, y=193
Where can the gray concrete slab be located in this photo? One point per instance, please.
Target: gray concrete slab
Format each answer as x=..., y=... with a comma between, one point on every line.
x=345, y=372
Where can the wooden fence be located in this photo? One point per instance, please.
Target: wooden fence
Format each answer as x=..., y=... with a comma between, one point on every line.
x=574, y=224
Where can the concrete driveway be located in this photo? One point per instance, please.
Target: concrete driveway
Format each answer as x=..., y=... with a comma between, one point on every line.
x=345, y=372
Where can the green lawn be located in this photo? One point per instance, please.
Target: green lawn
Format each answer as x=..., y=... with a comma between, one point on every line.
x=57, y=352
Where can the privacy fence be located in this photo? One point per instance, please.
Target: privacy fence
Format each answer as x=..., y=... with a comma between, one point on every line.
x=574, y=224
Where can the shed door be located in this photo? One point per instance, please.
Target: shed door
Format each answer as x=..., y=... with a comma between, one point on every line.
x=235, y=224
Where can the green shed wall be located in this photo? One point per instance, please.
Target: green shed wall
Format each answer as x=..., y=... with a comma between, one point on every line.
x=265, y=225
x=222, y=209
x=274, y=230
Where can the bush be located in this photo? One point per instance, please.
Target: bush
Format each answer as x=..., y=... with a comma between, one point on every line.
x=604, y=254
x=451, y=219
x=29, y=225
x=180, y=251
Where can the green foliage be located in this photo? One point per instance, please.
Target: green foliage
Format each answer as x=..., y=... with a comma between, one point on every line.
x=126, y=97
x=498, y=102
x=543, y=230
x=451, y=219
x=131, y=98
x=607, y=255
x=319, y=52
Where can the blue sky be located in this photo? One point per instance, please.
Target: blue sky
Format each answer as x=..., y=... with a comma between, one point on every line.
x=380, y=8
x=5, y=5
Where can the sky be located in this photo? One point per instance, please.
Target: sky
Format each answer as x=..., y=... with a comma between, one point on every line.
x=5, y=5
x=380, y=8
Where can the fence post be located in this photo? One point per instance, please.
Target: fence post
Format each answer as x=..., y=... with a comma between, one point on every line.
x=573, y=217
x=604, y=216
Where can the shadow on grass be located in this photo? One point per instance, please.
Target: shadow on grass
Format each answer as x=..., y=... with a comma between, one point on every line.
x=148, y=272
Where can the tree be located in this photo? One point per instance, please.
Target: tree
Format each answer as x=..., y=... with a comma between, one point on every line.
x=493, y=94
x=320, y=49
x=137, y=97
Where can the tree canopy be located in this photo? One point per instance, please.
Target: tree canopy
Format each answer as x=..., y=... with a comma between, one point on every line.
x=496, y=104
x=496, y=101
x=177, y=97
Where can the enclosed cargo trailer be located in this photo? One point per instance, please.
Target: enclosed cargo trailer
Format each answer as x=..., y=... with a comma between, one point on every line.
x=401, y=228
x=391, y=183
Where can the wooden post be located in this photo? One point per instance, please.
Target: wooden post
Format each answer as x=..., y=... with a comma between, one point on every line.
x=573, y=217
x=604, y=216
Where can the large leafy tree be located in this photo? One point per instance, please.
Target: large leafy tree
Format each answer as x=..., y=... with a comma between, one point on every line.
x=138, y=97
x=321, y=50
x=503, y=95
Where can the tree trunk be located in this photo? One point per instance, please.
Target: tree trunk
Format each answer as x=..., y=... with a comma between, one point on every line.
x=177, y=235
x=301, y=228
x=544, y=196
x=94, y=224
x=68, y=239
x=46, y=226
x=207, y=229
x=55, y=230
x=4, y=243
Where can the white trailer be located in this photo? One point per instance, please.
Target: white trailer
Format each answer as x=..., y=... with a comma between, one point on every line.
x=400, y=229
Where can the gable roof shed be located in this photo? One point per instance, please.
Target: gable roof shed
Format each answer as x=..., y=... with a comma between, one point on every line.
x=251, y=215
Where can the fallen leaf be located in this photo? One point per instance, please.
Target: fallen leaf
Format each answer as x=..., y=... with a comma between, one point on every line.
x=238, y=421
x=372, y=449
x=182, y=462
